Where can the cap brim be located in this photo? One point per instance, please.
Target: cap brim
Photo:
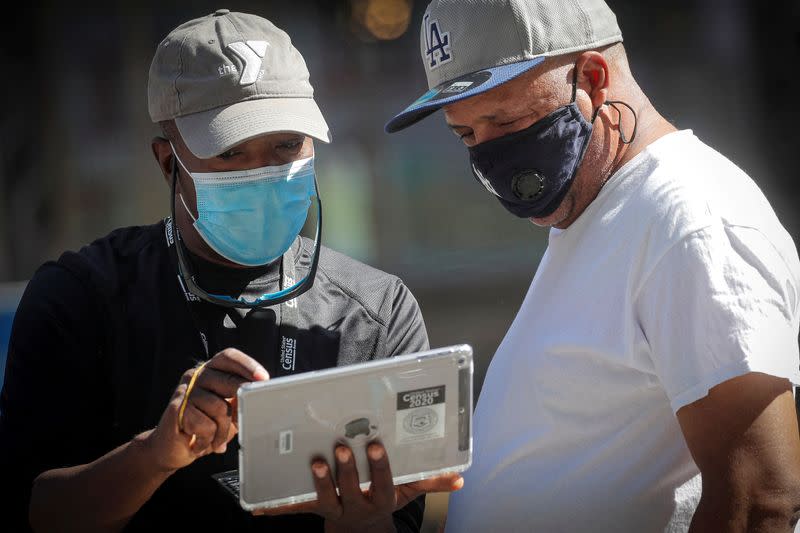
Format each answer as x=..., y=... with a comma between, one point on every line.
x=210, y=133
x=458, y=89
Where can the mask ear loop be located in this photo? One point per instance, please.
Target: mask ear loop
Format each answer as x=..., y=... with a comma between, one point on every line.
x=575, y=91
x=611, y=103
x=187, y=208
x=574, y=83
x=625, y=140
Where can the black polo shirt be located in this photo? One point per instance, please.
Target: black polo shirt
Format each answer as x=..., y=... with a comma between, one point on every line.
x=102, y=336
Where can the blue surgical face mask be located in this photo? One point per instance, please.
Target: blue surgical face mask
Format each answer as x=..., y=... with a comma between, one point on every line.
x=251, y=217
x=530, y=171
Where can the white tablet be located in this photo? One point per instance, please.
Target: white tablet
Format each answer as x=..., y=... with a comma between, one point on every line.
x=419, y=406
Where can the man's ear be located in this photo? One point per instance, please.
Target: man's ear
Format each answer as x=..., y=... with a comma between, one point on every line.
x=593, y=76
x=162, y=151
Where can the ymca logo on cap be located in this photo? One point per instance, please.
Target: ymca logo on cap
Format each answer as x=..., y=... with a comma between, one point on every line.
x=437, y=43
x=251, y=54
x=228, y=77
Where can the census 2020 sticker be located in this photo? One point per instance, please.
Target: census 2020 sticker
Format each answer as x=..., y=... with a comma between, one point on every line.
x=420, y=415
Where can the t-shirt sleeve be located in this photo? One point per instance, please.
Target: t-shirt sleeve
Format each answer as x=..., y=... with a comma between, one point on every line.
x=47, y=399
x=406, y=328
x=720, y=303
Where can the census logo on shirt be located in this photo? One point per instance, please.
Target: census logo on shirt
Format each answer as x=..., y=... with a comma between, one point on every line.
x=437, y=43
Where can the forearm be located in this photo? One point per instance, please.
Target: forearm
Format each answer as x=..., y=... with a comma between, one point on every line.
x=773, y=513
x=744, y=440
x=100, y=496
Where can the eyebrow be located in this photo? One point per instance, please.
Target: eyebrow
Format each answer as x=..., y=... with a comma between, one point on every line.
x=456, y=126
x=482, y=117
x=493, y=116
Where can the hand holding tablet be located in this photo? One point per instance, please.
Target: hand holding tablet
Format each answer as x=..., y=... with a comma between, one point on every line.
x=412, y=413
x=353, y=509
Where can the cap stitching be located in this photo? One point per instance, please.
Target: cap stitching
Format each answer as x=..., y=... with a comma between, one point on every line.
x=241, y=35
x=237, y=30
x=587, y=20
x=519, y=35
x=180, y=72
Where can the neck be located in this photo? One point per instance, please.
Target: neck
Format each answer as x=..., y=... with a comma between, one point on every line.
x=216, y=278
x=650, y=126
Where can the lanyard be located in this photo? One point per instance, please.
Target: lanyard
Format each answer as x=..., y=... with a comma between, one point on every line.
x=288, y=316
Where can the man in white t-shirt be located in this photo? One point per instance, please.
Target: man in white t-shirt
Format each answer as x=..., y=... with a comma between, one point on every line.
x=646, y=382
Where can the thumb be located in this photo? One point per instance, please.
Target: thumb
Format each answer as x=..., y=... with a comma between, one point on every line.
x=445, y=483
x=234, y=403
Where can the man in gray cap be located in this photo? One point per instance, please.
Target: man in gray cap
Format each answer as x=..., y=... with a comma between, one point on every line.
x=125, y=356
x=646, y=382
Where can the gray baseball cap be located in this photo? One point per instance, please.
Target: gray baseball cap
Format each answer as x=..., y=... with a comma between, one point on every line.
x=229, y=77
x=469, y=47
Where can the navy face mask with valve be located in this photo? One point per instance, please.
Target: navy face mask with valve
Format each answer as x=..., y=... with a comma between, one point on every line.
x=530, y=171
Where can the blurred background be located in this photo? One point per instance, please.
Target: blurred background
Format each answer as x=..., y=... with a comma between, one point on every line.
x=75, y=158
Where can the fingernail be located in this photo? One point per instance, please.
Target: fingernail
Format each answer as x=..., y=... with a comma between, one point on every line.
x=458, y=484
x=376, y=453
x=261, y=374
x=320, y=470
x=343, y=454
x=222, y=448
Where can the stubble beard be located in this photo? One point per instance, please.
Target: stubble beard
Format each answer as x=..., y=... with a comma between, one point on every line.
x=562, y=212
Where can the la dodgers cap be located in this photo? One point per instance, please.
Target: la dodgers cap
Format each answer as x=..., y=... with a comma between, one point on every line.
x=229, y=77
x=471, y=46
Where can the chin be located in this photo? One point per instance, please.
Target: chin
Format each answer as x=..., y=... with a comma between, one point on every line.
x=561, y=214
x=553, y=219
x=542, y=222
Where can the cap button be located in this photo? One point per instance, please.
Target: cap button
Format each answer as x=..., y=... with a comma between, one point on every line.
x=220, y=12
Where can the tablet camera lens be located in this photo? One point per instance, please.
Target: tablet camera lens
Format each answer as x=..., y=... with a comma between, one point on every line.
x=359, y=426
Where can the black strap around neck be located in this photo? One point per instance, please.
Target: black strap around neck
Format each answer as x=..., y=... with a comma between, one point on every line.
x=288, y=315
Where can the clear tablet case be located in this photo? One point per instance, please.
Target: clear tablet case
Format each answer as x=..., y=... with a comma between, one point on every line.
x=418, y=405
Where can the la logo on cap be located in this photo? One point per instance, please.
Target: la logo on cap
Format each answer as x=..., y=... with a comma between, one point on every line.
x=436, y=42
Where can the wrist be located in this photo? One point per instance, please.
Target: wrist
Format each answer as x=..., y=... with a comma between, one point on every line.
x=143, y=444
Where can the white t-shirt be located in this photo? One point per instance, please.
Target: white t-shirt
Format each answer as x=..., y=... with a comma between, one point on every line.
x=676, y=278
